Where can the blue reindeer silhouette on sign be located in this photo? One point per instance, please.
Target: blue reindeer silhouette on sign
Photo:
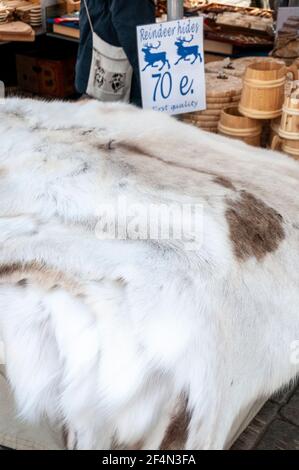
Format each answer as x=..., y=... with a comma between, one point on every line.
x=186, y=52
x=152, y=59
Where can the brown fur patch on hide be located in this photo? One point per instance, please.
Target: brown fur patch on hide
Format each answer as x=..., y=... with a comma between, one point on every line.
x=139, y=150
x=39, y=273
x=133, y=148
x=225, y=182
x=177, y=432
x=255, y=228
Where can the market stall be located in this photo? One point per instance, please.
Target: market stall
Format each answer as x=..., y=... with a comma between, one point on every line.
x=251, y=94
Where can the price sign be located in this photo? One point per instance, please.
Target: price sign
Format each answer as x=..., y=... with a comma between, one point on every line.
x=171, y=64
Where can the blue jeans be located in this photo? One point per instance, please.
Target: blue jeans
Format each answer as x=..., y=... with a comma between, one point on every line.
x=115, y=22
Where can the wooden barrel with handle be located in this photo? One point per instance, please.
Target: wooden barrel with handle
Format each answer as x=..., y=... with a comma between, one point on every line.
x=263, y=89
x=289, y=125
x=291, y=147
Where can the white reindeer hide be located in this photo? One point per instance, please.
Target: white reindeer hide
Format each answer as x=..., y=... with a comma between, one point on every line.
x=143, y=343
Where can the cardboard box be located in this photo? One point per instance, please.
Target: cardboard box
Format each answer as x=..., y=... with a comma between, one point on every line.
x=46, y=77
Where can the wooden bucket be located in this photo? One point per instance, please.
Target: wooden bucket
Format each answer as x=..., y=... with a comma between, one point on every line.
x=291, y=147
x=234, y=125
x=263, y=89
x=289, y=126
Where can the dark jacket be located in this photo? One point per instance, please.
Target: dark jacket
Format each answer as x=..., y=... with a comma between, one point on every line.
x=115, y=22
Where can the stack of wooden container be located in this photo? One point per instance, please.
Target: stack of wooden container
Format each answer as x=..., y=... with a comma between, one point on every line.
x=18, y=18
x=30, y=14
x=263, y=93
x=268, y=95
x=245, y=95
x=221, y=92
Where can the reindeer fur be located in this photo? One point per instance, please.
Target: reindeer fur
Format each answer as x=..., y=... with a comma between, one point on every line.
x=135, y=343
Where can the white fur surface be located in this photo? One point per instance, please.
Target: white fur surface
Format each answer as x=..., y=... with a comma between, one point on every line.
x=130, y=328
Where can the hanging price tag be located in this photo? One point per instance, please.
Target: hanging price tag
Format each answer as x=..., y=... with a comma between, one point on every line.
x=171, y=64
